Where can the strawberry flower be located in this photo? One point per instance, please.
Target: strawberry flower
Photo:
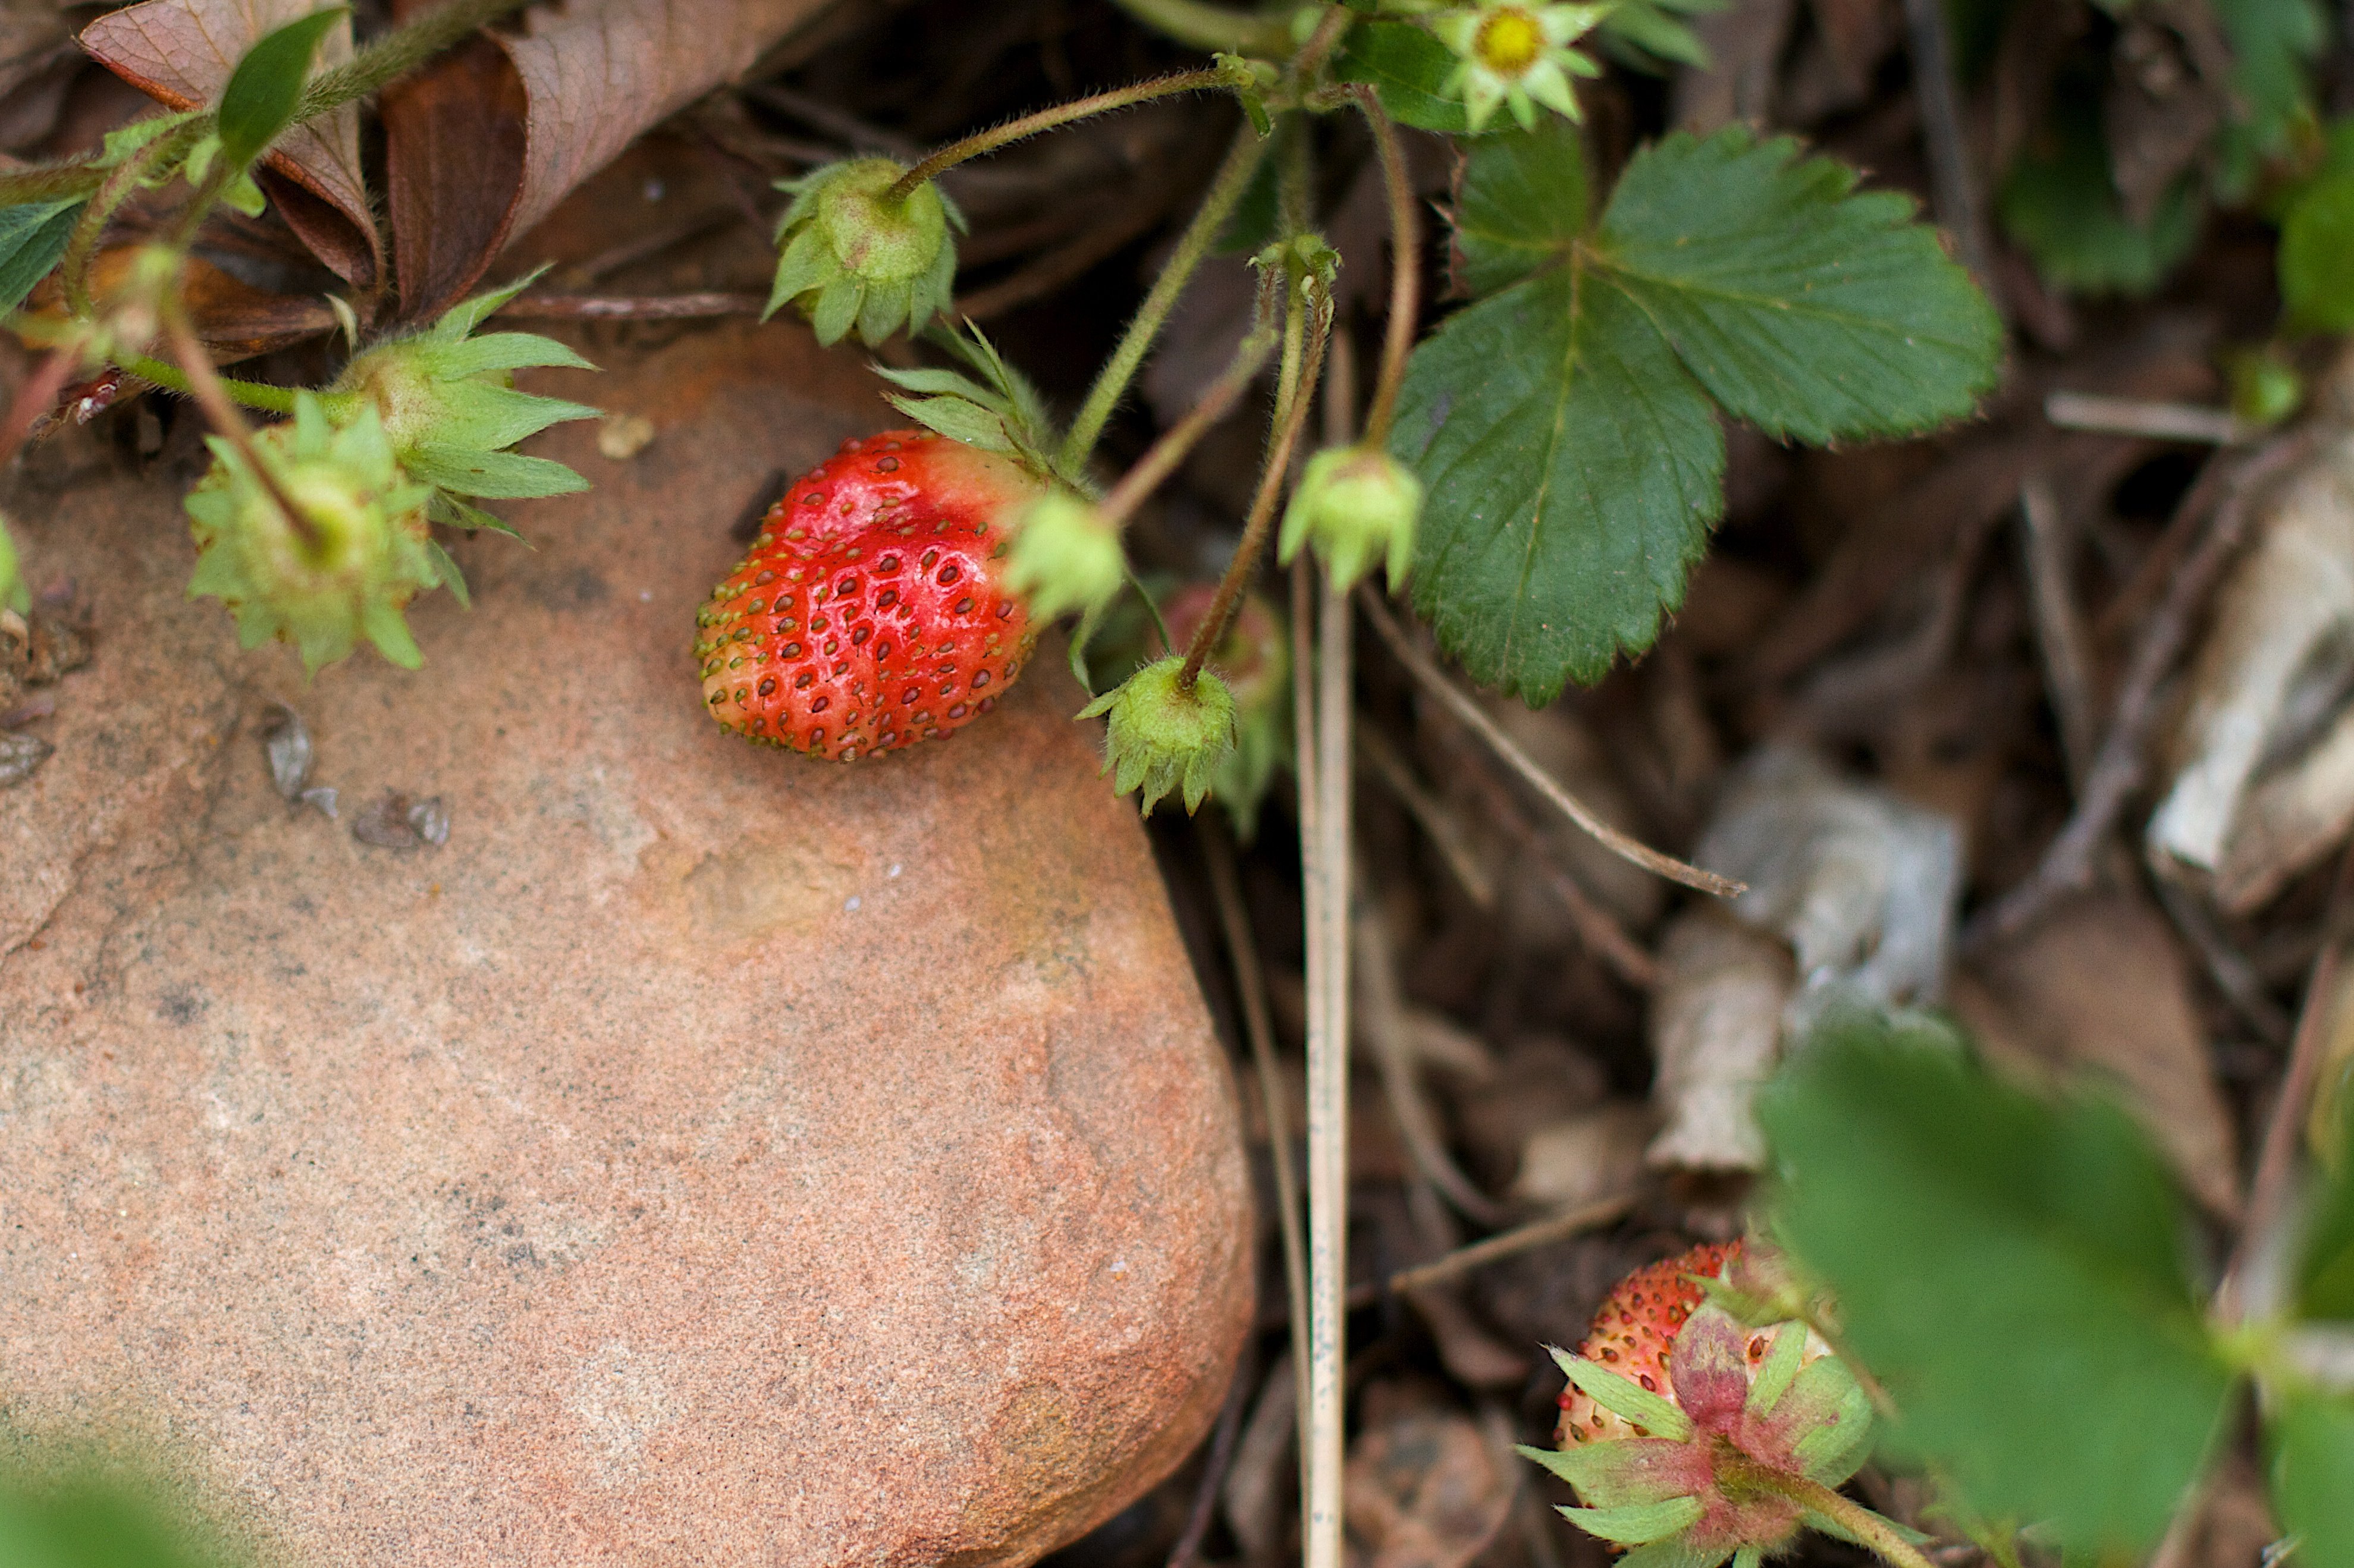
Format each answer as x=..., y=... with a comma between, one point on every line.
x=1518, y=56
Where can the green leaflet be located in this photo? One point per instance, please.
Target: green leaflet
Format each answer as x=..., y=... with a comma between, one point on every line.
x=262, y=92
x=1565, y=427
x=2272, y=43
x=2312, y=1444
x=1409, y=68
x=32, y=238
x=2316, y=256
x=2325, y=1274
x=2015, y=1271
x=2059, y=204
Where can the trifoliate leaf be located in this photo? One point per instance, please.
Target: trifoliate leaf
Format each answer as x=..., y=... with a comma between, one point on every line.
x=2316, y=257
x=2014, y=1272
x=1521, y=205
x=1571, y=454
x=1807, y=309
x=1409, y=68
x=263, y=91
x=33, y=236
x=2312, y=1444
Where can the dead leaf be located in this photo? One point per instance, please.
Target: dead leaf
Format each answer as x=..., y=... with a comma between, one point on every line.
x=1567, y=1164
x=181, y=52
x=1716, y=1033
x=581, y=81
x=2099, y=988
x=233, y=318
x=1425, y=1488
x=2263, y=757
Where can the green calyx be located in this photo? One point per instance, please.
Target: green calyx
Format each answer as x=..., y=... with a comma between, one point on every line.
x=1065, y=556
x=853, y=254
x=356, y=551
x=1164, y=736
x=447, y=402
x=1254, y=659
x=1356, y=505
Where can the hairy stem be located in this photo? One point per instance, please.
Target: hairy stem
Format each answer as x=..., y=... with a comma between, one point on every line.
x=1234, y=177
x=989, y=141
x=1161, y=458
x=398, y=53
x=1405, y=269
x=1201, y=25
x=81, y=246
x=252, y=395
x=204, y=386
x=1877, y=1535
x=1295, y=388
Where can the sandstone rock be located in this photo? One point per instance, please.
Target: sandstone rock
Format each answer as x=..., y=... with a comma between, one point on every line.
x=703, y=1156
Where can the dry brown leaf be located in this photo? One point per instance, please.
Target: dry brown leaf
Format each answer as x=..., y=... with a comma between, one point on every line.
x=233, y=318
x=182, y=52
x=2263, y=772
x=1425, y=1488
x=1567, y=1164
x=2098, y=988
x=582, y=80
x=1717, y=1031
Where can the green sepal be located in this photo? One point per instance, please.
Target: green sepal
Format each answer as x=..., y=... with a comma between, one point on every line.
x=495, y=476
x=1676, y=1551
x=495, y=351
x=801, y=267
x=1635, y=1524
x=448, y=509
x=1781, y=1368
x=1836, y=1415
x=126, y=139
x=487, y=417
x=1749, y=1557
x=836, y=308
x=959, y=418
x=461, y=319
x=389, y=630
x=1622, y=1397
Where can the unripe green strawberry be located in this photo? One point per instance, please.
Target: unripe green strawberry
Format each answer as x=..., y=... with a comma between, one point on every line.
x=1065, y=556
x=1357, y=506
x=344, y=566
x=1164, y=736
x=1254, y=659
x=854, y=255
x=870, y=612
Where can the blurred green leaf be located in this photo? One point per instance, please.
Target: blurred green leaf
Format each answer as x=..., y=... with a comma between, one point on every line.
x=32, y=238
x=2325, y=1276
x=264, y=90
x=2316, y=256
x=1650, y=34
x=2312, y=1442
x=2272, y=43
x=2059, y=204
x=1408, y=68
x=86, y=1524
x=1523, y=203
x=2014, y=1272
x=1564, y=425
x=13, y=592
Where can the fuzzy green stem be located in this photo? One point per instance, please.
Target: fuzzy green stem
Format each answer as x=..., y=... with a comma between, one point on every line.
x=1735, y=1470
x=1294, y=391
x=253, y=394
x=205, y=386
x=989, y=141
x=81, y=246
x=398, y=53
x=1161, y=458
x=1201, y=26
x=1320, y=43
x=1234, y=177
x=1405, y=269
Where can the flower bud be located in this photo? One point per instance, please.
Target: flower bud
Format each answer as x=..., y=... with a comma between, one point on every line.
x=1065, y=556
x=852, y=254
x=354, y=553
x=1163, y=735
x=1356, y=505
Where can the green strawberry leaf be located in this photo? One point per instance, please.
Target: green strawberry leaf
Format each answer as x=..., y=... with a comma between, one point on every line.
x=1408, y=68
x=2014, y=1271
x=1521, y=205
x=1565, y=428
x=2312, y=1444
x=263, y=91
x=33, y=236
x=2272, y=43
x=2316, y=256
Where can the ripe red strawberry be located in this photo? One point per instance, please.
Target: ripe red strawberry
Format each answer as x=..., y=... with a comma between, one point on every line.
x=869, y=614
x=1633, y=1335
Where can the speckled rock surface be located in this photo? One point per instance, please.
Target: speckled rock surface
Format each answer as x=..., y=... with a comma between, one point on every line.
x=703, y=1157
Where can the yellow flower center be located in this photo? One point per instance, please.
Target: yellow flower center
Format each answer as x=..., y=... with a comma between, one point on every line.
x=1508, y=41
